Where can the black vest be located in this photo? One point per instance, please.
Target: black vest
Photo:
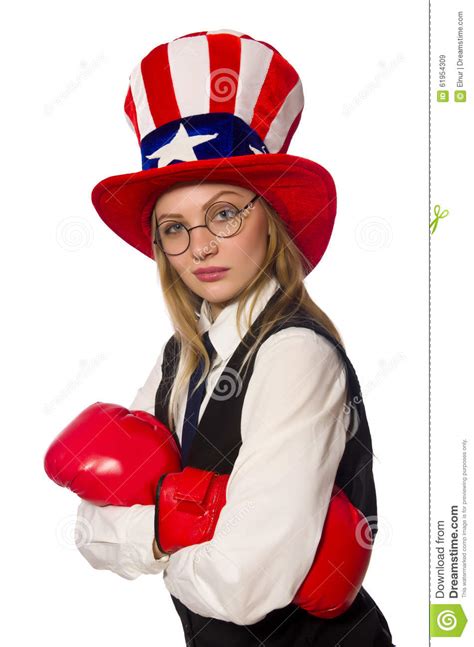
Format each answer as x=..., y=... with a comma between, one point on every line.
x=363, y=625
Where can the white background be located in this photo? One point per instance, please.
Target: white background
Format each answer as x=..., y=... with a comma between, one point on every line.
x=84, y=317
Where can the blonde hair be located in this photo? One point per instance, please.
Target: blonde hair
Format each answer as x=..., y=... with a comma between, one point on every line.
x=283, y=260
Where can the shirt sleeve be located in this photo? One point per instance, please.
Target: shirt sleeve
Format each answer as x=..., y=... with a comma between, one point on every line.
x=293, y=436
x=144, y=399
x=119, y=538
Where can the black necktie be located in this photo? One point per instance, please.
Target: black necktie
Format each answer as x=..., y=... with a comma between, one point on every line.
x=194, y=402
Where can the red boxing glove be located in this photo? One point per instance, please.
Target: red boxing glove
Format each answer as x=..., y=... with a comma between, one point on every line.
x=188, y=504
x=341, y=560
x=109, y=455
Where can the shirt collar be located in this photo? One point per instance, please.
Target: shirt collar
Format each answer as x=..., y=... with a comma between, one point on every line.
x=223, y=332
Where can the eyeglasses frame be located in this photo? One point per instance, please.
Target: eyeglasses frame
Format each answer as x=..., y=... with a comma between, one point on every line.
x=189, y=229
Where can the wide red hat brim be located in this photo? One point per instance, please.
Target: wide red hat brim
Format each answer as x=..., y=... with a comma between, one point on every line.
x=302, y=192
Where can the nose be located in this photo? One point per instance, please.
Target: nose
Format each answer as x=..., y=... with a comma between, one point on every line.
x=203, y=242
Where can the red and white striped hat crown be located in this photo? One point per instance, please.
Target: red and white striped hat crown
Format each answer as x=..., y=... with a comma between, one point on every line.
x=218, y=106
x=222, y=93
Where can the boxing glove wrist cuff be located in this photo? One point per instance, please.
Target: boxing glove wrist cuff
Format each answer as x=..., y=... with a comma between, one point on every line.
x=157, y=515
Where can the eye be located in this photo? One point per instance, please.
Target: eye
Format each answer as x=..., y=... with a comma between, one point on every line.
x=229, y=212
x=169, y=229
x=223, y=212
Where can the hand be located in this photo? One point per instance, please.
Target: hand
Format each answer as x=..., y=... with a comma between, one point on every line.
x=156, y=552
x=110, y=455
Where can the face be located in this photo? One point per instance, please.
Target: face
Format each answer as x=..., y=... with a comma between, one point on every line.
x=242, y=254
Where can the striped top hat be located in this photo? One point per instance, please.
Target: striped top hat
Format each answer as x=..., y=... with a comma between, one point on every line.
x=218, y=106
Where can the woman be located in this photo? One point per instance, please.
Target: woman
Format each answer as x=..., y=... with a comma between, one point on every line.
x=233, y=235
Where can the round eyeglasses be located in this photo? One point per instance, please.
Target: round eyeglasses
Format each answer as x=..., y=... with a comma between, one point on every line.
x=223, y=219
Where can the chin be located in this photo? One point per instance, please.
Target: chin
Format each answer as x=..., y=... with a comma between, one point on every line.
x=217, y=292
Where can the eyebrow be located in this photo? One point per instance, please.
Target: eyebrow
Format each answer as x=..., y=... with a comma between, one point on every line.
x=204, y=207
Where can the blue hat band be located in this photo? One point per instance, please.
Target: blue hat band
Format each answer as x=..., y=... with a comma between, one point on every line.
x=200, y=137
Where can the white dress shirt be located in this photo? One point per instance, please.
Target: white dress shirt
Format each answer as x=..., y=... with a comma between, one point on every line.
x=293, y=429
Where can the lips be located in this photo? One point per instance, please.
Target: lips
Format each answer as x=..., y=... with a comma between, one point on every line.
x=212, y=269
x=209, y=275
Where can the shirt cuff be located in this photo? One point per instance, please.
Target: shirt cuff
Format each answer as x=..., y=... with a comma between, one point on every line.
x=118, y=539
x=140, y=537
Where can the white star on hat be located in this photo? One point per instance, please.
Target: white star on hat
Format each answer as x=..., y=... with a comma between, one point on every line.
x=257, y=151
x=181, y=147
